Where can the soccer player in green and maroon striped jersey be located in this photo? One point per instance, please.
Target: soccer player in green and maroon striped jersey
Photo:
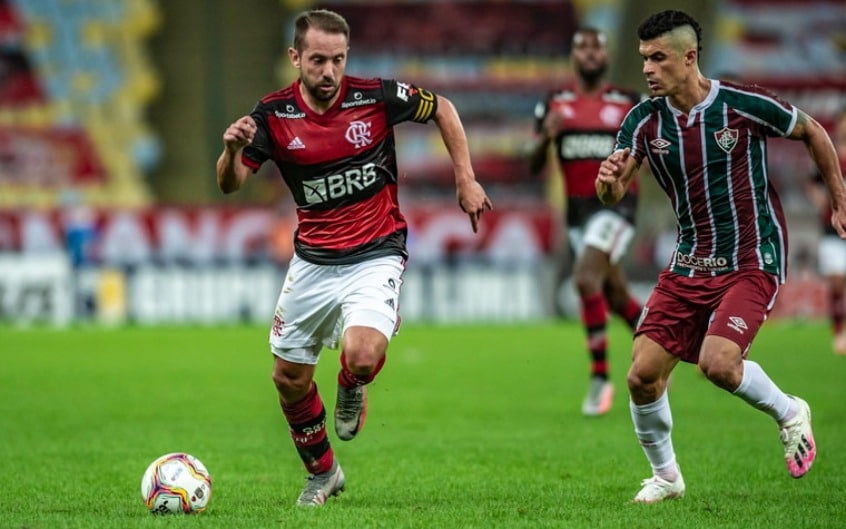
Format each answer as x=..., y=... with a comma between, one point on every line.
x=706, y=144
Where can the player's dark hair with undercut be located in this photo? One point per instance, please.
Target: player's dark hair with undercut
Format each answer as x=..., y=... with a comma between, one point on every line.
x=666, y=21
x=322, y=19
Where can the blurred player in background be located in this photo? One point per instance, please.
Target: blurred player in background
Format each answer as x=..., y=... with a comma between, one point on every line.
x=832, y=249
x=581, y=121
x=706, y=146
x=331, y=135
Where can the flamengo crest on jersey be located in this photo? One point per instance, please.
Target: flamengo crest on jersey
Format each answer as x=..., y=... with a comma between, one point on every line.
x=358, y=133
x=341, y=165
x=712, y=163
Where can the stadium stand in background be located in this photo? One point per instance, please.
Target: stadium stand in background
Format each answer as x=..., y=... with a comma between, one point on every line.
x=76, y=84
x=110, y=120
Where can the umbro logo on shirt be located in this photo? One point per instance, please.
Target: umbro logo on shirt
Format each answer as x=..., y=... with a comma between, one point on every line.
x=296, y=143
x=659, y=146
x=738, y=324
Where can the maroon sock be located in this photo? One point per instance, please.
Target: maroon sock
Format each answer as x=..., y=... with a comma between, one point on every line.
x=348, y=379
x=836, y=310
x=307, y=424
x=631, y=312
x=595, y=321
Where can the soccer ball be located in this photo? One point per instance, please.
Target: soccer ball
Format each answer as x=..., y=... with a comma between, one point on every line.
x=176, y=483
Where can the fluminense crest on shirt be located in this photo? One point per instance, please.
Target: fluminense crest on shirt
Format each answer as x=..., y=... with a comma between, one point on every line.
x=726, y=138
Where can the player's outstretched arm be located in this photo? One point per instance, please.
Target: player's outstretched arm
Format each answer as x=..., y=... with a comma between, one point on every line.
x=824, y=155
x=471, y=195
x=231, y=172
x=615, y=175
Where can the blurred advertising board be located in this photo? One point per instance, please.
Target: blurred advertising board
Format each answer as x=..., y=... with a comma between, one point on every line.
x=215, y=265
x=36, y=290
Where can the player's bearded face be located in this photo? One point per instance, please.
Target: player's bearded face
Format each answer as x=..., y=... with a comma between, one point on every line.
x=590, y=56
x=592, y=72
x=322, y=64
x=324, y=88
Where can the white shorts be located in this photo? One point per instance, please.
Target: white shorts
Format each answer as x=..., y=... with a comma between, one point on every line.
x=832, y=256
x=606, y=231
x=318, y=302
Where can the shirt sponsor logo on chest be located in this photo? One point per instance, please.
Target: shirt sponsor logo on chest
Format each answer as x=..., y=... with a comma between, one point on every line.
x=358, y=100
x=290, y=113
x=337, y=186
x=580, y=146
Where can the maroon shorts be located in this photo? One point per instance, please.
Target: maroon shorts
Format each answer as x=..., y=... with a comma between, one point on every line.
x=681, y=311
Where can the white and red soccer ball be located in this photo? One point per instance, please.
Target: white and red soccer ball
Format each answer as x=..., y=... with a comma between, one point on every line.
x=176, y=483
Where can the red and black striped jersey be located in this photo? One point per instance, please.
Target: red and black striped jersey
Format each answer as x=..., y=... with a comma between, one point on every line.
x=341, y=166
x=586, y=136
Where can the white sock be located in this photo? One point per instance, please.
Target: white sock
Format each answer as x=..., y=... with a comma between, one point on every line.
x=653, y=424
x=760, y=391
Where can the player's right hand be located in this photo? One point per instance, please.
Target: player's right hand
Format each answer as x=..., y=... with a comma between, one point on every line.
x=552, y=123
x=612, y=167
x=609, y=183
x=240, y=133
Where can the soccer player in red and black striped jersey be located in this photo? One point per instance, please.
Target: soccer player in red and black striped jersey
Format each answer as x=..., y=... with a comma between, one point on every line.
x=706, y=143
x=832, y=249
x=331, y=135
x=581, y=120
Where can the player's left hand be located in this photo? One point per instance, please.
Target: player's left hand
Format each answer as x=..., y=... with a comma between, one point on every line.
x=473, y=201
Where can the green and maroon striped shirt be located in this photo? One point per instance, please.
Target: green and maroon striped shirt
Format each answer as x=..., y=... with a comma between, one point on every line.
x=712, y=163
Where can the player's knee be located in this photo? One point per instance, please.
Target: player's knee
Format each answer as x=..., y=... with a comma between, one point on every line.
x=645, y=385
x=722, y=370
x=363, y=360
x=364, y=350
x=290, y=386
x=635, y=380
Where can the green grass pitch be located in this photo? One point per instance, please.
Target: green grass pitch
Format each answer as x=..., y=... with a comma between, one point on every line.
x=468, y=427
